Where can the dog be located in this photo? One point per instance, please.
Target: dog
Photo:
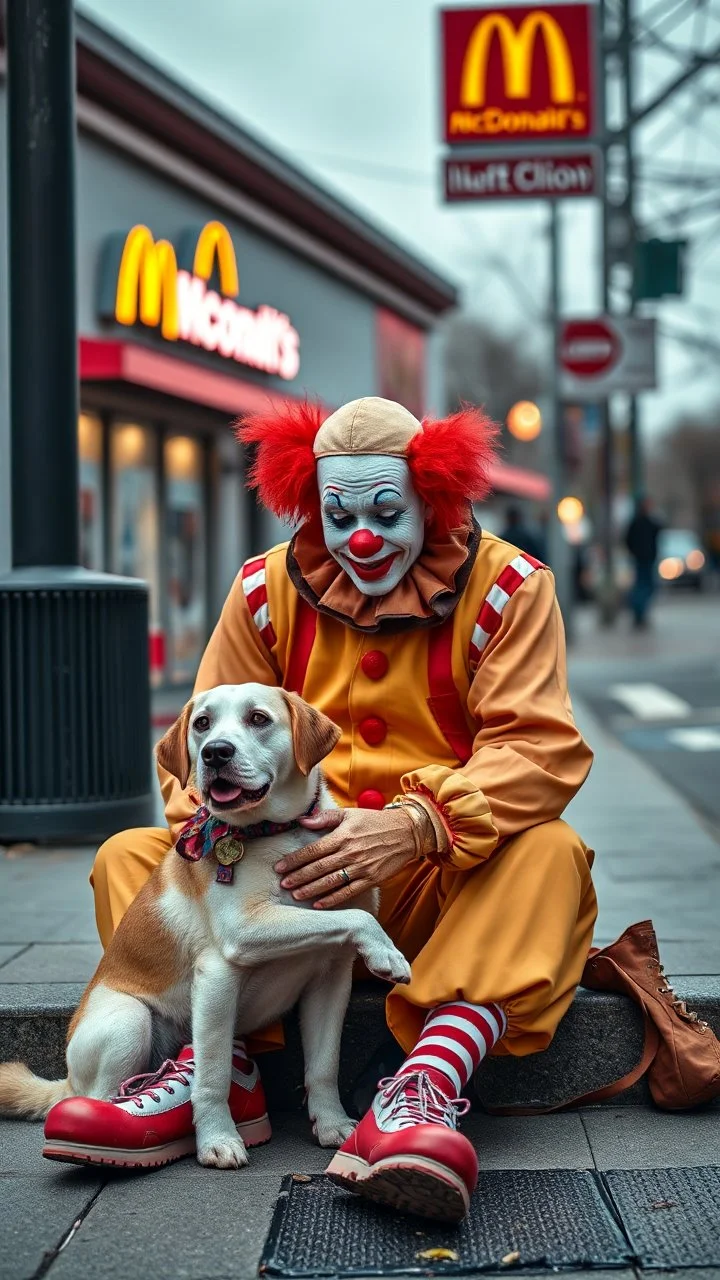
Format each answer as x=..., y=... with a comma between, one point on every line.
x=190, y=950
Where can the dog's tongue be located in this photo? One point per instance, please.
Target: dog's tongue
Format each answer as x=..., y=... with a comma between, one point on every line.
x=224, y=792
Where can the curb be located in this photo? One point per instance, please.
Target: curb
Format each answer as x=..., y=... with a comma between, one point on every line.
x=599, y=1040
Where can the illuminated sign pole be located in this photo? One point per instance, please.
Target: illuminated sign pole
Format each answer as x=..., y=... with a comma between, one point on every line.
x=520, y=118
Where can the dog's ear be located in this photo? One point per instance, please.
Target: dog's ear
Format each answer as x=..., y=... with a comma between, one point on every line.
x=172, y=750
x=314, y=735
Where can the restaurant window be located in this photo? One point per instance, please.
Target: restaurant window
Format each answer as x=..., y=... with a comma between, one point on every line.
x=184, y=497
x=90, y=449
x=133, y=465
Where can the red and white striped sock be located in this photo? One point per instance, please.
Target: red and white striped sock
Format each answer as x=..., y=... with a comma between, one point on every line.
x=455, y=1039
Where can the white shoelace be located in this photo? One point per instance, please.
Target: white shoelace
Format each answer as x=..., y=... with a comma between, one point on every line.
x=415, y=1099
x=171, y=1072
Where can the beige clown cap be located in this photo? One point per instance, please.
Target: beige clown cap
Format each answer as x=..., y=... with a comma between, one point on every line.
x=369, y=425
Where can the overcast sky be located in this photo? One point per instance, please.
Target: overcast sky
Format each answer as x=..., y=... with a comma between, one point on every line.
x=349, y=92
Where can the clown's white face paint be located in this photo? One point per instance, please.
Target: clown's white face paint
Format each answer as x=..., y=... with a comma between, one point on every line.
x=373, y=520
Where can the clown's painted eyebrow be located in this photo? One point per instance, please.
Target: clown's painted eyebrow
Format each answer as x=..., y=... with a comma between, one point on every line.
x=387, y=495
x=334, y=497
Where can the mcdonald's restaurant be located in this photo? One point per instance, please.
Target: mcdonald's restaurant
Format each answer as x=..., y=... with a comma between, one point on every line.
x=213, y=279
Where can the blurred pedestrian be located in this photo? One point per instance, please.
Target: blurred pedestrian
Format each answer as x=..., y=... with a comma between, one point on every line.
x=521, y=535
x=641, y=539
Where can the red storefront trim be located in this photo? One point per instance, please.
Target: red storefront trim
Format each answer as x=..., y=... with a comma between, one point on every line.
x=108, y=360
x=519, y=482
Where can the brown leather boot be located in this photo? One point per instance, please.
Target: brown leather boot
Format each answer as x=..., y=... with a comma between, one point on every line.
x=685, y=1070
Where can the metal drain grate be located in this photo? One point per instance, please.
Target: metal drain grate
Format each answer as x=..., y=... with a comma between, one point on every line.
x=671, y=1216
x=550, y=1218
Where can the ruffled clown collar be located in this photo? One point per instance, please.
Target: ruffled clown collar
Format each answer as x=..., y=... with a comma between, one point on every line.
x=427, y=593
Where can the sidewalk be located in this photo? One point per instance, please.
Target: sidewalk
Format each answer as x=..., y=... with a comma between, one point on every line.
x=654, y=858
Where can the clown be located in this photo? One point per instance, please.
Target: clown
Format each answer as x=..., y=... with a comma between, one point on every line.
x=438, y=649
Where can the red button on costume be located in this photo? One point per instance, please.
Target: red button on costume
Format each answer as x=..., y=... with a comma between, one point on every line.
x=371, y=799
x=374, y=664
x=373, y=730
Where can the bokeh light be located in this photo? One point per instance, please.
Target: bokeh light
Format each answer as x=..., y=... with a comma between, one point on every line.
x=524, y=420
x=570, y=510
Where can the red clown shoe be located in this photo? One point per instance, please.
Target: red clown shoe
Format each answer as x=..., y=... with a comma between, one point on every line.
x=150, y=1122
x=407, y=1153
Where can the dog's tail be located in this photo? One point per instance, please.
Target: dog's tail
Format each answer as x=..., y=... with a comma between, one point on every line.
x=27, y=1096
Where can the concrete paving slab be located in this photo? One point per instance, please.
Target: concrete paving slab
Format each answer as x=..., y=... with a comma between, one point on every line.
x=54, y=962
x=25, y=922
x=8, y=951
x=170, y=1228
x=20, y=1145
x=38, y=1211
x=292, y=1149
x=529, y=1142
x=669, y=872
x=642, y=1138
x=502, y=1142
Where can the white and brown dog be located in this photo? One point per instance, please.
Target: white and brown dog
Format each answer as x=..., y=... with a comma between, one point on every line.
x=219, y=959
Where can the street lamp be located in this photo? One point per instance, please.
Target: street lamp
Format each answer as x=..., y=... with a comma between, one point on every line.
x=570, y=510
x=524, y=420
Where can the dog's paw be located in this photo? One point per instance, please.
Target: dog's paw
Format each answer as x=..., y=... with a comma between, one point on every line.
x=222, y=1152
x=332, y=1131
x=385, y=961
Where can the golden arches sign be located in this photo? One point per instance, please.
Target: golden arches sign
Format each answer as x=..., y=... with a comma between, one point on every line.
x=147, y=283
x=147, y=278
x=214, y=241
x=517, y=45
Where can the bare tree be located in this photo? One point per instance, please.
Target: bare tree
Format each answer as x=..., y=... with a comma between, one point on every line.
x=684, y=472
x=493, y=369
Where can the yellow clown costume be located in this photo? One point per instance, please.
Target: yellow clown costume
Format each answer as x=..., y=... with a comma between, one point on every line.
x=450, y=689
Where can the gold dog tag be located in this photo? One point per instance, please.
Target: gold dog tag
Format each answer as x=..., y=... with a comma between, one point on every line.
x=227, y=851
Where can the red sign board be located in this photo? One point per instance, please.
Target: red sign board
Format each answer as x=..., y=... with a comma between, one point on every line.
x=518, y=74
x=605, y=354
x=559, y=175
x=589, y=348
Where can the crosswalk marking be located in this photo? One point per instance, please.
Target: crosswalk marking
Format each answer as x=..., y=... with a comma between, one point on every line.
x=650, y=701
x=698, y=739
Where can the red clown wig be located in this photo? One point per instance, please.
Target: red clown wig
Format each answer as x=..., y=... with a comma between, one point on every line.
x=449, y=459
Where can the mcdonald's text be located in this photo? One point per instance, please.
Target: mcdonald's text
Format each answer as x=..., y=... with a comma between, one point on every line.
x=142, y=283
x=518, y=73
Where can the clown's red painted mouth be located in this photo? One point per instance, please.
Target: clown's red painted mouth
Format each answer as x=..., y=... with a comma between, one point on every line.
x=371, y=572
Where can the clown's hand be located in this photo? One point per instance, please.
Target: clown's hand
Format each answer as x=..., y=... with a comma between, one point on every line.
x=363, y=848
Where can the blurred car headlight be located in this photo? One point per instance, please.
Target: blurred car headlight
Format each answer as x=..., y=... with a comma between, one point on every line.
x=671, y=567
x=695, y=560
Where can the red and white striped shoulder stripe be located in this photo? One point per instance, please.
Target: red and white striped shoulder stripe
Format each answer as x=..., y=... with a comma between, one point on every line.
x=490, y=615
x=255, y=588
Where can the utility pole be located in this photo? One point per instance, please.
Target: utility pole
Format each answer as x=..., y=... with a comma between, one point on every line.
x=622, y=27
x=625, y=51
x=608, y=593
x=74, y=715
x=559, y=551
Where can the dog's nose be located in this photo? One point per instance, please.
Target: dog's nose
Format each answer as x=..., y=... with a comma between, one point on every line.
x=217, y=753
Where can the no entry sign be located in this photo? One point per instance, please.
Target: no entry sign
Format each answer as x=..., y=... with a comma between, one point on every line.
x=605, y=354
x=589, y=348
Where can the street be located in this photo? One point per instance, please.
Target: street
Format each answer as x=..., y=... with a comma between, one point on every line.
x=658, y=691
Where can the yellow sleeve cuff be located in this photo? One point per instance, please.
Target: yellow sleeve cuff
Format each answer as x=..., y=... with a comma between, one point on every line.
x=454, y=803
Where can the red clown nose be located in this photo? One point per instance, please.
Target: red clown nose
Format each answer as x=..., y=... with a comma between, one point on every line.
x=364, y=544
